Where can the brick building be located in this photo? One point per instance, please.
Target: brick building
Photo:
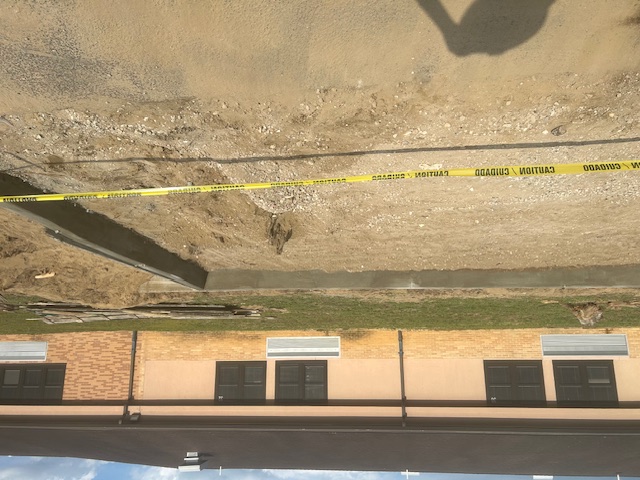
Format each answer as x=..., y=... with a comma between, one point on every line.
x=528, y=373
x=530, y=401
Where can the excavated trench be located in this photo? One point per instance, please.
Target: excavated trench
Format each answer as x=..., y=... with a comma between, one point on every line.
x=599, y=276
x=73, y=224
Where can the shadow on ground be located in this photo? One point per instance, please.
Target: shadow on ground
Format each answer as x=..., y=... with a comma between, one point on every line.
x=353, y=153
x=489, y=26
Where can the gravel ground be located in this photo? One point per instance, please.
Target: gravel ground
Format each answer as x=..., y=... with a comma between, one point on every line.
x=102, y=106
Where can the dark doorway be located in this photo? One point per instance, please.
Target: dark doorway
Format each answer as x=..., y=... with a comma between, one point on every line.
x=585, y=383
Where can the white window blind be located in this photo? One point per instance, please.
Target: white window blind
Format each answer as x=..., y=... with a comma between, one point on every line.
x=23, y=351
x=601, y=345
x=301, y=347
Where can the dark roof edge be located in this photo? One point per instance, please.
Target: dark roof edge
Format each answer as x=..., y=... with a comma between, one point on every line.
x=349, y=424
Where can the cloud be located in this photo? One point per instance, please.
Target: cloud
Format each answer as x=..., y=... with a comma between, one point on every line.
x=321, y=475
x=154, y=473
x=48, y=468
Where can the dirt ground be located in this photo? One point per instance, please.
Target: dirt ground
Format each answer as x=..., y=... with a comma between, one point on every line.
x=115, y=95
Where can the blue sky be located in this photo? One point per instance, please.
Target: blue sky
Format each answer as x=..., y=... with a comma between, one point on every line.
x=51, y=468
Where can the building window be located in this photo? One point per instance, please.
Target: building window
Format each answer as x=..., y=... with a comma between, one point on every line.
x=585, y=383
x=301, y=381
x=514, y=382
x=240, y=382
x=23, y=351
x=579, y=345
x=31, y=384
x=301, y=347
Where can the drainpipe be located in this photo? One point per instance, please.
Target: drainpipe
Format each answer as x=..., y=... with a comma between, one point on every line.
x=402, y=392
x=132, y=369
x=134, y=341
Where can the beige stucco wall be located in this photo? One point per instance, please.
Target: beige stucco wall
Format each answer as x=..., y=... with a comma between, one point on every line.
x=425, y=379
x=271, y=380
x=627, y=371
x=358, y=379
x=186, y=379
x=444, y=379
x=549, y=381
x=528, y=413
x=66, y=410
x=439, y=365
x=347, y=379
x=412, y=412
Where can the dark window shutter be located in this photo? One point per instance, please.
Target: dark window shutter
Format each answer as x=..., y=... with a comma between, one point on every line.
x=31, y=384
x=254, y=385
x=240, y=382
x=228, y=382
x=514, y=382
x=301, y=381
x=585, y=383
x=498, y=380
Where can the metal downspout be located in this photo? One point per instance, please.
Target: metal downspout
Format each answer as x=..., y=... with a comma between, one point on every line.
x=402, y=391
x=132, y=369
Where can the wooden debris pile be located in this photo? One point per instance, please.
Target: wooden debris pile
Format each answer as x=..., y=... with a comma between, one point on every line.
x=56, y=313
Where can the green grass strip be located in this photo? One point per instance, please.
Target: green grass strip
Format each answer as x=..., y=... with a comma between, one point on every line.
x=325, y=313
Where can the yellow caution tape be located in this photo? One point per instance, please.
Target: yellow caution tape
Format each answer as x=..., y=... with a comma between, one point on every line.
x=508, y=171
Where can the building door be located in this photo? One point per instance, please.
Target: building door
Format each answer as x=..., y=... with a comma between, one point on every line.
x=301, y=381
x=514, y=382
x=31, y=384
x=585, y=383
x=241, y=382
